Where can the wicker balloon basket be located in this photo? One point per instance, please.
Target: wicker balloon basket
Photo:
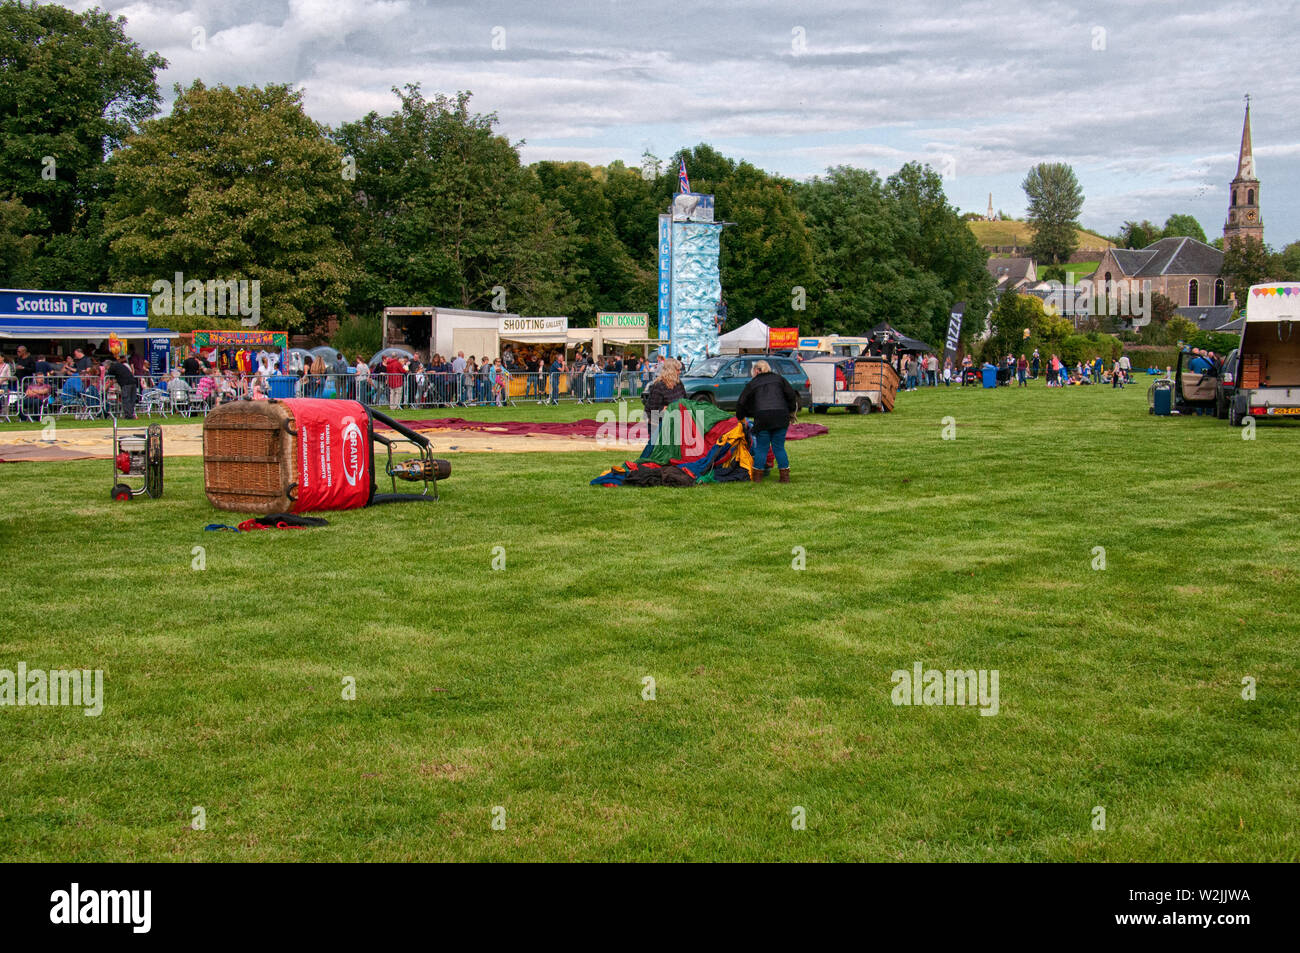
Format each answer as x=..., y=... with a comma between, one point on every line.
x=293, y=456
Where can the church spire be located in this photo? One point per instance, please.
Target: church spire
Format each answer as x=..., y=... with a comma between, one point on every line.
x=1246, y=159
x=1243, y=193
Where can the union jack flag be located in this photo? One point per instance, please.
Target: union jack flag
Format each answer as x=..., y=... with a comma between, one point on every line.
x=683, y=183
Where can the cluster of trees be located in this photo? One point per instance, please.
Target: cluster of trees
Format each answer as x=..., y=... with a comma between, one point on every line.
x=1020, y=324
x=1141, y=234
x=429, y=204
x=1248, y=261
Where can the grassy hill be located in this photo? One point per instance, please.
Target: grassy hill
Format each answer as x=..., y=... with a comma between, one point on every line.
x=1013, y=232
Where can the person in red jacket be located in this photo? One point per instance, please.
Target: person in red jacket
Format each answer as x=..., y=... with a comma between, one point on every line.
x=396, y=369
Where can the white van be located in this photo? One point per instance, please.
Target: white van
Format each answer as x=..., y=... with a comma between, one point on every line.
x=835, y=344
x=1267, y=375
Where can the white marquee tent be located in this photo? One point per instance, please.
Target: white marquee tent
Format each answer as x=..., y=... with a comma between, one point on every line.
x=747, y=337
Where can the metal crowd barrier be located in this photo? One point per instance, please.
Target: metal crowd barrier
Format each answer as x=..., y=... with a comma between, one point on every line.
x=407, y=390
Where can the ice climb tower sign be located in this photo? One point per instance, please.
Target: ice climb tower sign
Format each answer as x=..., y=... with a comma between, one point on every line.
x=690, y=285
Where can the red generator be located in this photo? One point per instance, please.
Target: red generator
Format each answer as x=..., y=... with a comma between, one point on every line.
x=303, y=454
x=137, y=453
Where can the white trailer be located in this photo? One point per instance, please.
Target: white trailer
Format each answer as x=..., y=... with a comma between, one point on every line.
x=1268, y=362
x=858, y=384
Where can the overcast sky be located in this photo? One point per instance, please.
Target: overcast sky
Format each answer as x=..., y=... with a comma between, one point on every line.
x=1144, y=100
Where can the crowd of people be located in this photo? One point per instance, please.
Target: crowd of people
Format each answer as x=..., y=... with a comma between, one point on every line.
x=470, y=380
x=32, y=385
x=925, y=370
x=118, y=385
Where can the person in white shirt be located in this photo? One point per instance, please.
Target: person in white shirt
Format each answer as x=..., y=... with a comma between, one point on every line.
x=177, y=387
x=363, y=380
x=458, y=368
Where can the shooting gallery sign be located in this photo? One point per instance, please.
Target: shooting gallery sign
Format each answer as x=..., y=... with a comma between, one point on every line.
x=245, y=339
x=514, y=325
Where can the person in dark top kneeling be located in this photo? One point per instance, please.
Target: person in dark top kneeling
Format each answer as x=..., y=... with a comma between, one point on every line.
x=770, y=400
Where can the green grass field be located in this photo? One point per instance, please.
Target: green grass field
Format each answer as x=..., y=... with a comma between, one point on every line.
x=521, y=688
x=1079, y=270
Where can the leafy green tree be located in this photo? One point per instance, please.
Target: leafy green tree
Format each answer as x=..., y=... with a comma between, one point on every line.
x=1138, y=234
x=853, y=239
x=73, y=87
x=938, y=247
x=1163, y=309
x=1179, y=328
x=447, y=214
x=358, y=336
x=1048, y=334
x=767, y=256
x=893, y=251
x=1246, y=261
x=1286, y=263
x=1055, y=200
x=17, y=244
x=634, y=207
x=234, y=184
x=1214, y=341
x=612, y=278
x=1183, y=226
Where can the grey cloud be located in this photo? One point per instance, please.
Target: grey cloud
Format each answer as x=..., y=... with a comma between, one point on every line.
x=996, y=85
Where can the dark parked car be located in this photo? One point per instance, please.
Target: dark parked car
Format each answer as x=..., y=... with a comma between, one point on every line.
x=1227, y=391
x=1196, y=392
x=719, y=380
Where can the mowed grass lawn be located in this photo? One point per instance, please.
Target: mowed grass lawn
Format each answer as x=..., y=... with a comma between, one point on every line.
x=522, y=688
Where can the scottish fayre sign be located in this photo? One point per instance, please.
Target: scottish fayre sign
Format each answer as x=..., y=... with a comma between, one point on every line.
x=64, y=311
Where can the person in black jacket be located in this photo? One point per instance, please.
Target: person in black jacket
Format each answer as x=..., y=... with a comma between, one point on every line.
x=126, y=383
x=770, y=400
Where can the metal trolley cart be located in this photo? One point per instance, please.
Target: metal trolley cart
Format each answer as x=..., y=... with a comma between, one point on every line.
x=138, y=454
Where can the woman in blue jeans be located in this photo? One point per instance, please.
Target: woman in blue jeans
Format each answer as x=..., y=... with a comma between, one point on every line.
x=770, y=400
